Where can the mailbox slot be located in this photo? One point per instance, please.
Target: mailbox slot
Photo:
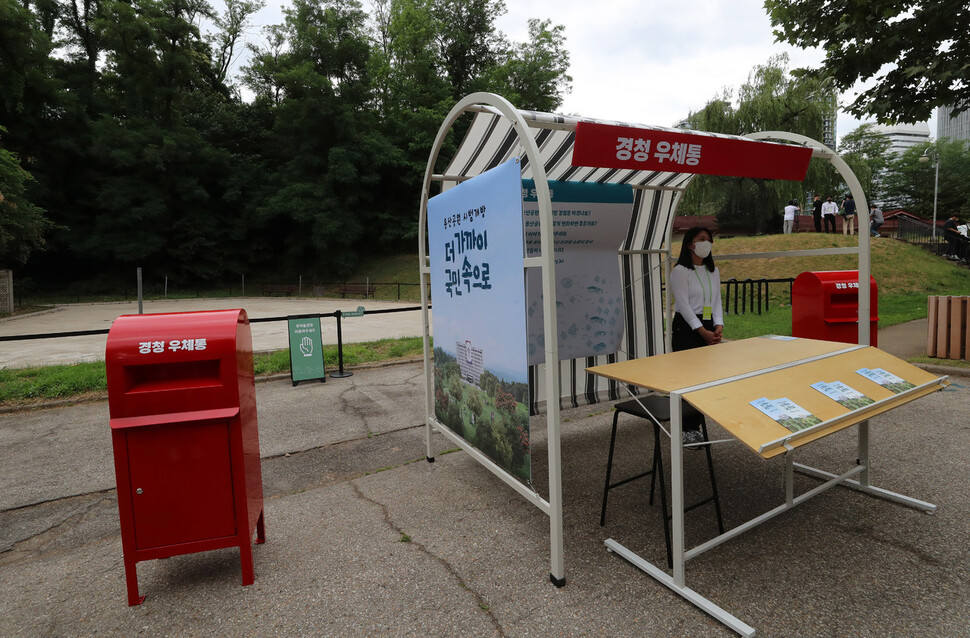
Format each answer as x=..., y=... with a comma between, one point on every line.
x=173, y=376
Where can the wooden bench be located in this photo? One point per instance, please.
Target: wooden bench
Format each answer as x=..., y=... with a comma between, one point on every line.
x=367, y=290
x=283, y=289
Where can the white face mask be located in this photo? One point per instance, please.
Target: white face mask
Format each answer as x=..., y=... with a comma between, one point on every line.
x=702, y=248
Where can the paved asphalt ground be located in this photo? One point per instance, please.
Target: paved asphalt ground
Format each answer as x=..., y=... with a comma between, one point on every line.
x=365, y=538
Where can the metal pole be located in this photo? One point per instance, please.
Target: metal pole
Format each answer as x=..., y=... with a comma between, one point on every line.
x=166, y=288
x=340, y=374
x=138, y=276
x=677, y=485
x=936, y=191
x=299, y=289
x=244, y=285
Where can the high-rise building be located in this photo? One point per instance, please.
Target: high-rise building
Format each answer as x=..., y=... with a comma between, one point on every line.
x=470, y=362
x=830, y=119
x=903, y=136
x=957, y=128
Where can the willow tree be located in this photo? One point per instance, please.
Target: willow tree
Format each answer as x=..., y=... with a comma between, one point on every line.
x=772, y=99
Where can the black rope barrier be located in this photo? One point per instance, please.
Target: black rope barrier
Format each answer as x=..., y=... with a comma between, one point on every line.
x=104, y=331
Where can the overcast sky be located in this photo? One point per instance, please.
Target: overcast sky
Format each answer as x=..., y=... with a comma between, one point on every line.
x=649, y=62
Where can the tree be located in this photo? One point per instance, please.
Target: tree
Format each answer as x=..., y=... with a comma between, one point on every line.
x=533, y=74
x=468, y=42
x=232, y=25
x=771, y=99
x=909, y=183
x=505, y=402
x=867, y=154
x=917, y=52
x=473, y=400
x=141, y=151
x=157, y=189
x=22, y=224
x=326, y=155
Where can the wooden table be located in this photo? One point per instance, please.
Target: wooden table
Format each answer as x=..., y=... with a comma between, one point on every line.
x=721, y=381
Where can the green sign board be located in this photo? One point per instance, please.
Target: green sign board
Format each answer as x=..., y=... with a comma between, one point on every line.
x=306, y=349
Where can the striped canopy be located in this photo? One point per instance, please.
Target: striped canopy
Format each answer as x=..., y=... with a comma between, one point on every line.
x=492, y=140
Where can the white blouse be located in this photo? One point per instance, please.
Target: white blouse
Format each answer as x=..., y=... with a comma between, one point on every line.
x=695, y=288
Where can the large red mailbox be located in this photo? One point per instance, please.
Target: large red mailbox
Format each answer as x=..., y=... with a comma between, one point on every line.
x=182, y=401
x=825, y=305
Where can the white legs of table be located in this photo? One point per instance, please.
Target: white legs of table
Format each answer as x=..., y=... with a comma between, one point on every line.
x=789, y=476
x=680, y=556
x=868, y=489
x=692, y=596
x=862, y=484
x=864, y=451
x=677, y=485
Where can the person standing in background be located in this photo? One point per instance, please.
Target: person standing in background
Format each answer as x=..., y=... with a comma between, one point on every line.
x=817, y=213
x=829, y=209
x=848, y=216
x=953, y=238
x=790, y=211
x=875, y=220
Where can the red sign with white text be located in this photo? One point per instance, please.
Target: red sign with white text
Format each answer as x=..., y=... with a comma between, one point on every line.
x=607, y=146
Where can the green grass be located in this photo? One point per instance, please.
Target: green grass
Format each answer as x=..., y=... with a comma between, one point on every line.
x=51, y=382
x=393, y=268
x=905, y=275
x=354, y=354
x=24, y=385
x=954, y=363
x=897, y=267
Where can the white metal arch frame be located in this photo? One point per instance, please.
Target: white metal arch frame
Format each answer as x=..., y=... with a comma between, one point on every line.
x=552, y=507
x=865, y=268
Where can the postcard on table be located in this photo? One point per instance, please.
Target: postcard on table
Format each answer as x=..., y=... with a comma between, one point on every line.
x=787, y=413
x=886, y=379
x=843, y=394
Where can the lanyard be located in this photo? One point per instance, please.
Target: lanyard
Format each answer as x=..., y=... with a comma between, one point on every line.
x=708, y=293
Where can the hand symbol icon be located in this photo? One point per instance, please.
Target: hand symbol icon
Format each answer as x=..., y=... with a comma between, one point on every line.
x=306, y=346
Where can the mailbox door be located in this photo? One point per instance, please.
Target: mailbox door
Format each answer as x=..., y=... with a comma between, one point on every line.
x=181, y=483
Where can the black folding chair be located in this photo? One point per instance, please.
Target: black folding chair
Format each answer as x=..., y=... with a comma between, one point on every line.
x=657, y=412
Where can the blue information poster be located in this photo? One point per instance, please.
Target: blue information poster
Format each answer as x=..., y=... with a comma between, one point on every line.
x=481, y=385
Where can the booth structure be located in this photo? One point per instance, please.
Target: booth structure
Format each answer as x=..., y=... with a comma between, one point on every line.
x=502, y=145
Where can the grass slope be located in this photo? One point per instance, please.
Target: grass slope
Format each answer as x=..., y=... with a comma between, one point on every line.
x=905, y=275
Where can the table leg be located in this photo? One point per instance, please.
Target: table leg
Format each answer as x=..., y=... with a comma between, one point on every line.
x=864, y=452
x=677, y=485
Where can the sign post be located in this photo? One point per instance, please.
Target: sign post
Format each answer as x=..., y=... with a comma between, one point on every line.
x=306, y=349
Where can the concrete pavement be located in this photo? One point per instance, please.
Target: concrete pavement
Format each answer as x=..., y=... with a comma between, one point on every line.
x=365, y=538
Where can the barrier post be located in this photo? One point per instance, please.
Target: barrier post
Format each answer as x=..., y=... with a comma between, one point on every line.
x=340, y=374
x=138, y=276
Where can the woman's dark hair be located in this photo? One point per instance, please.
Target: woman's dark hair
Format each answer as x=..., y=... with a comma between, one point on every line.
x=685, y=258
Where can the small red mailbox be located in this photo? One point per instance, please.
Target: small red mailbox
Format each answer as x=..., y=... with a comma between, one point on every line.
x=825, y=305
x=182, y=400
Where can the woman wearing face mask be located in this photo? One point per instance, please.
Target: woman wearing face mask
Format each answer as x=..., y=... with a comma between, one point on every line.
x=698, y=321
x=696, y=285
